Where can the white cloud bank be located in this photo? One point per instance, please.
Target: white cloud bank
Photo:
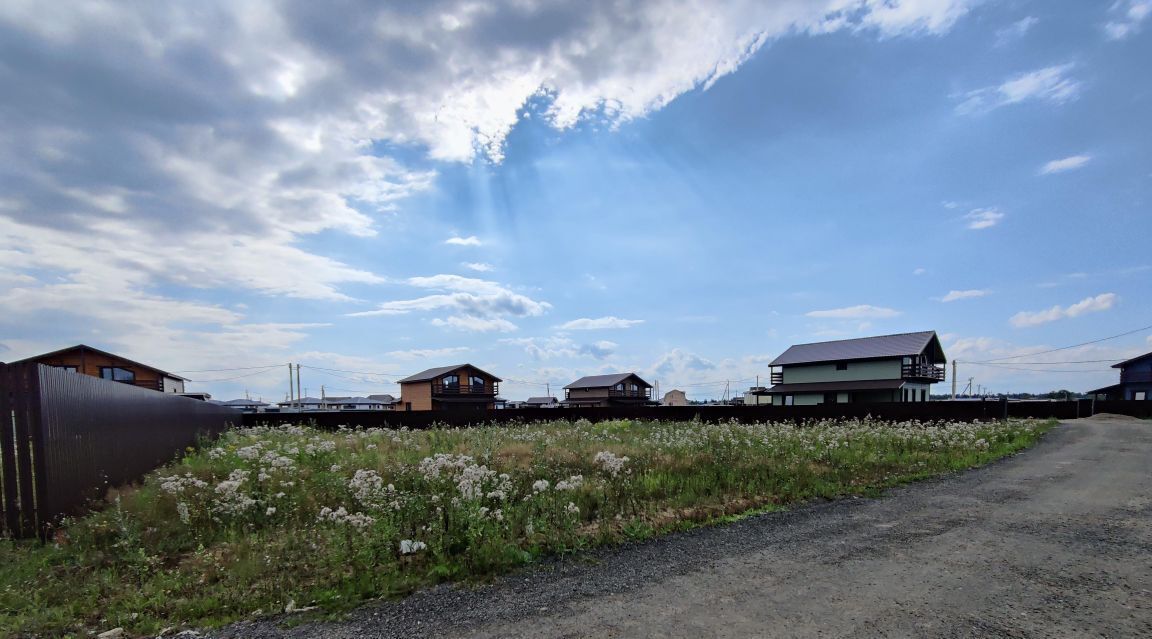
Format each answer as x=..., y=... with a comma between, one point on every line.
x=1050, y=84
x=1065, y=164
x=979, y=219
x=953, y=296
x=471, y=240
x=1130, y=15
x=863, y=311
x=208, y=141
x=473, y=305
x=1095, y=304
x=599, y=323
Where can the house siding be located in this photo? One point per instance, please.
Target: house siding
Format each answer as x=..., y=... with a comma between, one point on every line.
x=857, y=371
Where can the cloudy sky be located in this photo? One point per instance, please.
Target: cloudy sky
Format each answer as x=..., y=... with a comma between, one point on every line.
x=547, y=190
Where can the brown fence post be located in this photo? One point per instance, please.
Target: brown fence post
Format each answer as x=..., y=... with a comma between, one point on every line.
x=11, y=490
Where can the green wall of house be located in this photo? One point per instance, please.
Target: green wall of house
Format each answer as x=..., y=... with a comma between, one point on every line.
x=857, y=371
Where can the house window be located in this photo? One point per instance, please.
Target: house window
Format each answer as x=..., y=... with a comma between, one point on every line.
x=70, y=369
x=118, y=374
x=842, y=366
x=452, y=381
x=789, y=400
x=477, y=382
x=1140, y=395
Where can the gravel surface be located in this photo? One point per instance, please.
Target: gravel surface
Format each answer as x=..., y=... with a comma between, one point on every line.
x=1054, y=542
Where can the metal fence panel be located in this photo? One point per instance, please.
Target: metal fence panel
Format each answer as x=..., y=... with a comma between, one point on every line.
x=923, y=411
x=78, y=435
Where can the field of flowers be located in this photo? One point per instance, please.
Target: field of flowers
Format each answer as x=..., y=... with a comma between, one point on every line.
x=266, y=520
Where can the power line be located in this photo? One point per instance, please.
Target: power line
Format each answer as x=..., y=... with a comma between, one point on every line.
x=337, y=370
x=1034, y=370
x=1062, y=348
x=225, y=370
x=228, y=379
x=1082, y=361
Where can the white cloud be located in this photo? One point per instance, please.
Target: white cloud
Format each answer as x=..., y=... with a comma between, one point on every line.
x=952, y=296
x=920, y=271
x=1095, y=304
x=471, y=240
x=467, y=298
x=472, y=324
x=1015, y=31
x=600, y=349
x=1130, y=14
x=1065, y=164
x=983, y=218
x=863, y=311
x=678, y=364
x=541, y=348
x=1050, y=84
x=588, y=324
x=428, y=353
x=479, y=267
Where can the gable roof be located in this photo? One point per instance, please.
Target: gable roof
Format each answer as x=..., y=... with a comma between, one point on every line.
x=603, y=381
x=99, y=352
x=244, y=402
x=899, y=345
x=1129, y=362
x=540, y=400
x=433, y=373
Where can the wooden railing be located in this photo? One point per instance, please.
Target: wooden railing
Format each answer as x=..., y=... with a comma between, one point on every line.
x=490, y=390
x=922, y=371
x=640, y=393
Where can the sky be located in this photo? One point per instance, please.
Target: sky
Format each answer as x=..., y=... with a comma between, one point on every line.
x=549, y=190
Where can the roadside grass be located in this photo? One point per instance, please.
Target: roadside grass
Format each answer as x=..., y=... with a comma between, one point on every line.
x=269, y=520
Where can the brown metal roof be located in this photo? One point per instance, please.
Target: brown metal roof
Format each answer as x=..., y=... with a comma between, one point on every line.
x=604, y=381
x=828, y=387
x=900, y=345
x=1126, y=363
x=105, y=353
x=433, y=373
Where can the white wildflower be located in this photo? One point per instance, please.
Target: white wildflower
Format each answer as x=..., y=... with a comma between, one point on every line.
x=408, y=546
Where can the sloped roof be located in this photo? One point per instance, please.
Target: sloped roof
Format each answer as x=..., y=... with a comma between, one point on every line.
x=899, y=345
x=433, y=373
x=385, y=398
x=244, y=402
x=540, y=400
x=1129, y=362
x=105, y=353
x=354, y=400
x=604, y=381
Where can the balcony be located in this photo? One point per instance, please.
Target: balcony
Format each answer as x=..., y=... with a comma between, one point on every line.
x=640, y=393
x=777, y=377
x=1129, y=377
x=922, y=371
x=458, y=390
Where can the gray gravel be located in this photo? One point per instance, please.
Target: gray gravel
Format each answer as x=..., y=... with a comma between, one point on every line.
x=1054, y=542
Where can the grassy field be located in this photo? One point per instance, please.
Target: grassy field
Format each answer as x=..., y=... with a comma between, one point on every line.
x=272, y=519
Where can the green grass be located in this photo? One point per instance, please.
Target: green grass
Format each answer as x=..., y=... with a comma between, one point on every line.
x=268, y=518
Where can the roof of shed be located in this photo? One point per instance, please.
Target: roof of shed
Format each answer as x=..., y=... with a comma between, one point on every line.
x=540, y=400
x=433, y=373
x=603, y=381
x=899, y=345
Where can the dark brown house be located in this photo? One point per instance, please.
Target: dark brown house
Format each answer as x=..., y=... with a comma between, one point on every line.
x=97, y=363
x=1135, y=381
x=619, y=389
x=460, y=387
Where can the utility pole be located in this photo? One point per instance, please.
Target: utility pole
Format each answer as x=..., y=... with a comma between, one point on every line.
x=291, y=399
x=299, y=397
x=321, y=391
x=548, y=388
x=953, y=380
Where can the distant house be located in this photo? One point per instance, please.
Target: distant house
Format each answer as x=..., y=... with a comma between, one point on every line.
x=304, y=403
x=886, y=368
x=97, y=363
x=246, y=405
x=387, y=400
x=541, y=402
x=619, y=389
x=674, y=398
x=460, y=387
x=356, y=403
x=757, y=396
x=1135, y=381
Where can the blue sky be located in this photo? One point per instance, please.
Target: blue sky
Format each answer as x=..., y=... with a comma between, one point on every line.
x=550, y=191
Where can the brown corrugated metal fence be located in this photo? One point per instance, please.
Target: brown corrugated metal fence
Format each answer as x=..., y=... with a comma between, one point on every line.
x=71, y=436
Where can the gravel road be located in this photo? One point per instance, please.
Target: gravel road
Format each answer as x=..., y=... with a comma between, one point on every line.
x=1054, y=542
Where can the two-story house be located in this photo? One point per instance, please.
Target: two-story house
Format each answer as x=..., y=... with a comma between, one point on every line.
x=886, y=368
x=460, y=387
x=618, y=389
x=1135, y=380
x=97, y=363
